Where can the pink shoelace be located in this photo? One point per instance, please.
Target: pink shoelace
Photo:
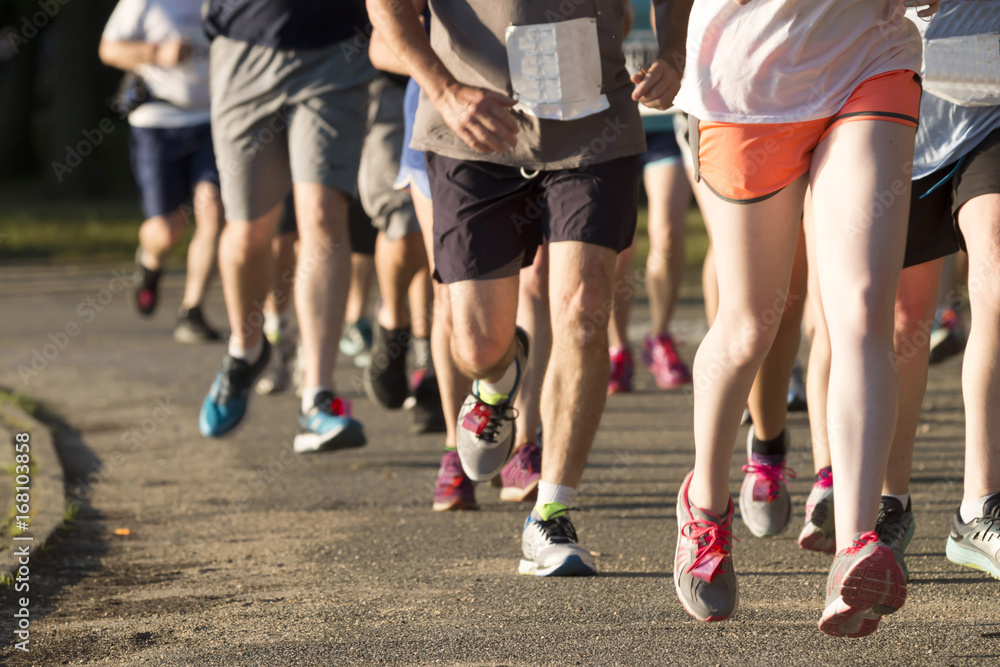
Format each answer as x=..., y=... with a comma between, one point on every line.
x=861, y=541
x=772, y=475
x=714, y=543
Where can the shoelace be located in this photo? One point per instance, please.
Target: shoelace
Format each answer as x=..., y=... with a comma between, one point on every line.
x=717, y=539
x=889, y=524
x=772, y=474
x=499, y=415
x=824, y=479
x=558, y=530
x=233, y=372
x=861, y=541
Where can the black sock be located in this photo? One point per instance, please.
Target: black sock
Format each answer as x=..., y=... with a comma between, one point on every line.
x=828, y=470
x=774, y=447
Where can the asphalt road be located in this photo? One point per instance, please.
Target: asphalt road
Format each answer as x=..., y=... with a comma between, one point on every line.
x=242, y=553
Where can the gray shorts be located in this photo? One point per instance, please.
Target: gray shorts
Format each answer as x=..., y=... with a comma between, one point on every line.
x=281, y=117
x=391, y=210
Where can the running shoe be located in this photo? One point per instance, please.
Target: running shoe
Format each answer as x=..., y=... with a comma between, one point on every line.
x=453, y=490
x=226, y=403
x=895, y=526
x=145, y=286
x=660, y=355
x=947, y=336
x=328, y=426
x=550, y=546
x=192, y=327
x=486, y=428
x=704, y=577
x=977, y=544
x=765, y=504
x=356, y=341
x=620, y=380
x=424, y=405
x=385, y=378
x=865, y=583
x=797, y=391
x=819, y=533
x=521, y=475
x=278, y=377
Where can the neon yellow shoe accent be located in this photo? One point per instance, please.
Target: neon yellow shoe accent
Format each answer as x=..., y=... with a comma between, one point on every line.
x=487, y=397
x=550, y=510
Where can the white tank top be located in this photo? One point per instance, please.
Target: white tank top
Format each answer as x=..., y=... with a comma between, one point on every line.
x=776, y=61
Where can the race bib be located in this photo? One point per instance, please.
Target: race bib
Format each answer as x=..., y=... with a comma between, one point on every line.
x=555, y=69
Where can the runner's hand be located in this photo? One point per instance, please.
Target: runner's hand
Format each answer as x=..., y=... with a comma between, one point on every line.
x=930, y=7
x=172, y=53
x=658, y=86
x=481, y=118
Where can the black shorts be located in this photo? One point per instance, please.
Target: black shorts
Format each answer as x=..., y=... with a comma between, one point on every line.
x=489, y=219
x=933, y=227
x=168, y=162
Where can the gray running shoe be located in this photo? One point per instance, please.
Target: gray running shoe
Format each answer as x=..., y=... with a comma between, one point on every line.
x=486, y=431
x=865, y=583
x=820, y=533
x=278, y=376
x=977, y=544
x=895, y=526
x=765, y=504
x=704, y=577
x=549, y=545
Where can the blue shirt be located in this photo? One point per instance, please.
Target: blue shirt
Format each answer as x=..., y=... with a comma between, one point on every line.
x=287, y=24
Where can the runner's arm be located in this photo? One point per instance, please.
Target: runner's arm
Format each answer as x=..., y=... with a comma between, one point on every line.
x=480, y=117
x=658, y=86
x=127, y=55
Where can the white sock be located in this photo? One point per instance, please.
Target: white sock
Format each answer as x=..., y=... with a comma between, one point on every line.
x=501, y=388
x=272, y=323
x=972, y=509
x=309, y=395
x=238, y=350
x=903, y=499
x=555, y=493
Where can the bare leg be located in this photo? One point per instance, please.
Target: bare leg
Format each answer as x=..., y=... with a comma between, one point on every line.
x=818, y=377
x=157, y=236
x=280, y=296
x=623, y=294
x=768, y=399
x=396, y=263
x=980, y=223
x=209, y=220
x=533, y=317
x=669, y=194
x=916, y=301
x=362, y=277
x=420, y=296
x=861, y=197
x=575, y=389
x=323, y=278
x=245, y=265
x=754, y=247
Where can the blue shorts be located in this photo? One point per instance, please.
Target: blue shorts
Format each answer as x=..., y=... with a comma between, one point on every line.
x=412, y=165
x=661, y=150
x=168, y=162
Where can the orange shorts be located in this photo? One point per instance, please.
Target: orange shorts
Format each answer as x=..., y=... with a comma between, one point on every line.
x=748, y=163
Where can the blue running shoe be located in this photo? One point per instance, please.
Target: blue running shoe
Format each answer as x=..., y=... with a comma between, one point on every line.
x=550, y=547
x=328, y=426
x=226, y=403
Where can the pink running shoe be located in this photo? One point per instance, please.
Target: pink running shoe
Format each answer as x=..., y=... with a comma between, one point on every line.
x=521, y=474
x=454, y=490
x=819, y=533
x=664, y=363
x=865, y=583
x=620, y=381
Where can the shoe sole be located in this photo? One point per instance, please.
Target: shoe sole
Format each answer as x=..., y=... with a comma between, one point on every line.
x=574, y=566
x=813, y=538
x=619, y=389
x=346, y=438
x=960, y=555
x=699, y=617
x=513, y=494
x=872, y=588
x=188, y=337
x=456, y=505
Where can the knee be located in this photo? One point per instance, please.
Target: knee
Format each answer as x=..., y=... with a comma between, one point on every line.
x=861, y=319
x=746, y=339
x=243, y=240
x=580, y=316
x=479, y=353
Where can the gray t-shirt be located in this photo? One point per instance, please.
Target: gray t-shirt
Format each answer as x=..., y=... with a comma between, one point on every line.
x=469, y=37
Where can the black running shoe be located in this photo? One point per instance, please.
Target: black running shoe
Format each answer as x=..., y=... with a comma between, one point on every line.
x=426, y=415
x=894, y=527
x=385, y=378
x=192, y=327
x=145, y=287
